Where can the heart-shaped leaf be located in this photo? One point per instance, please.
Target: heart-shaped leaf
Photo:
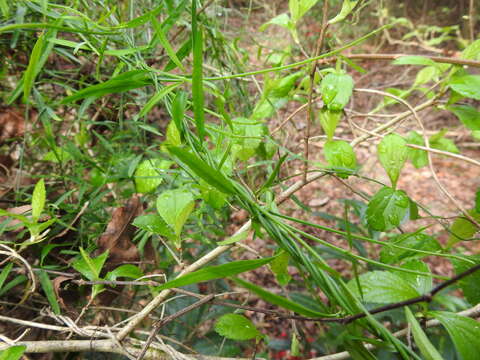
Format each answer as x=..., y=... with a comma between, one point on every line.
x=393, y=153
x=329, y=120
x=174, y=206
x=336, y=89
x=236, y=327
x=387, y=208
x=340, y=156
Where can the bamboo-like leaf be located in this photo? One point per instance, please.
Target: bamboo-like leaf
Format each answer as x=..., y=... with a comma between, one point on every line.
x=49, y=292
x=200, y=168
x=197, y=75
x=216, y=272
x=165, y=43
x=31, y=72
x=127, y=81
x=38, y=199
x=279, y=300
x=156, y=98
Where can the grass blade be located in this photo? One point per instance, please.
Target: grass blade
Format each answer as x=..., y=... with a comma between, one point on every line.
x=156, y=98
x=49, y=292
x=197, y=75
x=215, y=272
x=200, y=168
x=127, y=81
x=280, y=300
x=165, y=43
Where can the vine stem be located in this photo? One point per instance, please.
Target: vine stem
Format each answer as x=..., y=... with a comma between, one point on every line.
x=389, y=57
x=318, y=49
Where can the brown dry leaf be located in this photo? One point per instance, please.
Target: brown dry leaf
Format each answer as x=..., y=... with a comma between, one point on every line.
x=12, y=124
x=64, y=297
x=117, y=237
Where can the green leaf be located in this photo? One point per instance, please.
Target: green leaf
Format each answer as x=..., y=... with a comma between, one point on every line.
x=155, y=224
x=329, y=120
x=347, y=8
x=200, y=168
x=13, y=352
x=236, y=327
x=387, y=208
x=470, y=285
x=412, y=241
x=414, y=60
x=440, y=142
x=147, y=174
x=467, y=85
x=465, y=333
x=418, y=157
x=472, y=51
x=282, y=20
x=233, y=239
x=156, y=98
x=250, y=133
x=165, y=43
x=340, y=157
x=38, y=199
x=141, y=19
x=181, y=54
x=197, y=74
x=462, y=229
x=90, y=267
x=58, y=155
x=49, y=292
x=179, y=105
x=477, y=201
x=279, y=300
x=4, y=274
x=427, y=74
x=423, y=284
x=382, y=287
x=426, y=348
x=281, y=87
x=32, y=70
x=124, y=82
x=173, y=135
x=279, y=267
x=126, y=270
x=174, y=206
x=336, y=89
x=468, y=115
x=392, y=153
x=215, y=272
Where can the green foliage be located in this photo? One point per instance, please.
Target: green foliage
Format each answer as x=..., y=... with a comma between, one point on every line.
x=387, y=209
x=392, y=153
x=236, y=327
x=340, y=157
x=426, y=348
x=156, y=103
x=464, y=332
x=336, y=89
x=382, y=287
x=12, y=352
x=174, y=206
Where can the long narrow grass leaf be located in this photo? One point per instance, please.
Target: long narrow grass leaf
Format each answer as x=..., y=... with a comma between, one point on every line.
x=280, y=300
x=127, y=81
x=200, y=168
x=197, y=75
x=156, y=98
x=216, y=272
x=166, y=44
